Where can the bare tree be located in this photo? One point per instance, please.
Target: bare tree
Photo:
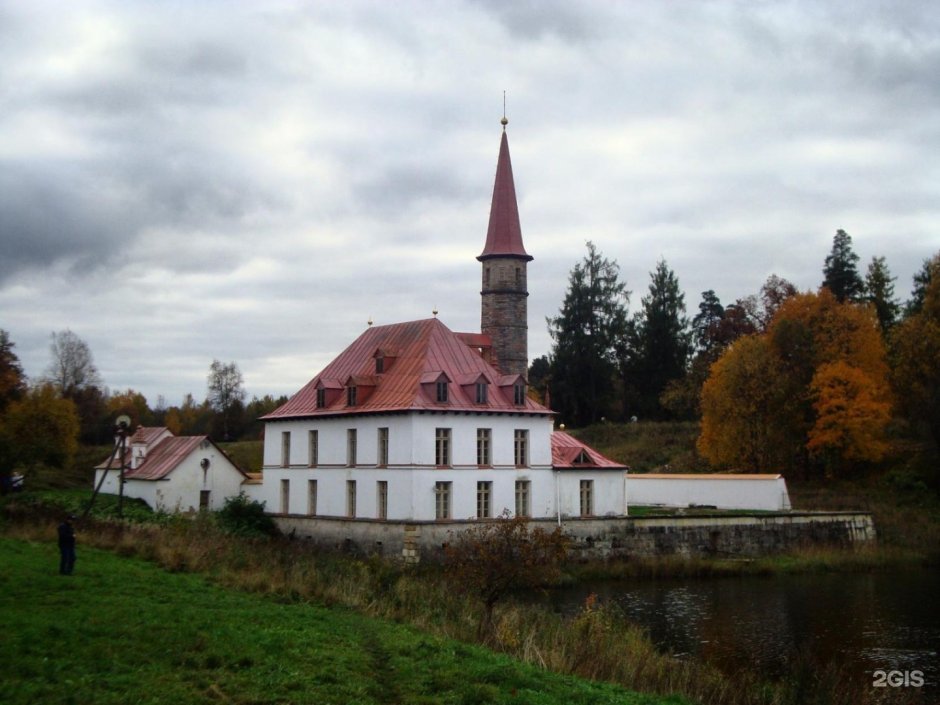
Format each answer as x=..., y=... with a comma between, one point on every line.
x=225, y=390
x=72, y=368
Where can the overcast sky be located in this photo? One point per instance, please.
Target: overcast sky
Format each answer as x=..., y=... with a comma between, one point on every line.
x=252, y=181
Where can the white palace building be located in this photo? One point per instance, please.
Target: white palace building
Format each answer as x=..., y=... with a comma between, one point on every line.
x=415, y=422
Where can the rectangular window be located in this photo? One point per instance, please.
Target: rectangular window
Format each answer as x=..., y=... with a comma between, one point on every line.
x=285, y=449
x=350, y=498
x=484, y=444
x=442, y=447
x=484, y=491
x=321, y=398
x=522, y=498
x=518, y=394
x=312, y=497
x=587, y=498
x=351, y=396
x=522, y=448
x=381, y=502
x=481, y=392
x=442, y=500
x=351, y=447
x=379, y=365
x=285, y=496
x=442, y=391
x=314, y=442
x=383, y=447
x=204, y=499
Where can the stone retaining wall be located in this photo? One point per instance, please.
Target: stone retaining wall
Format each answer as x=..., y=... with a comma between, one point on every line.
x=717, y=535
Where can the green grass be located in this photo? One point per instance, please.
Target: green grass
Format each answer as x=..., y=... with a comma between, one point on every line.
x=248, y=455
x=647, y=446
x=123, y=631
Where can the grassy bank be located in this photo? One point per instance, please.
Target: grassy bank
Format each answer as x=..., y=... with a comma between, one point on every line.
x=121, y=630
x=597, y=643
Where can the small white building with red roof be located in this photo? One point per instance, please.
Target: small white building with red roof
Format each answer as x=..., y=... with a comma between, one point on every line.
x=415, y=422
x=172, y=473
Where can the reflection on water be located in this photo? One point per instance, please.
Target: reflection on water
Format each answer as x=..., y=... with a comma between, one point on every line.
x=860, y=622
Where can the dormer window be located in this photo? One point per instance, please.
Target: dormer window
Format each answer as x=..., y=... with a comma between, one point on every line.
x=441, y=390
x=518, y=394
x=481, y=388
x=321, y=398
x=582, y=459
x=351, y=395
x=379, y=365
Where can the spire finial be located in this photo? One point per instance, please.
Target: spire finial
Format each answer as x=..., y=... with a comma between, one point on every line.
x=504, y=121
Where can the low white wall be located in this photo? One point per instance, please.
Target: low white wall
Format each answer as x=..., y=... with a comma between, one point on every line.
x=767, y=492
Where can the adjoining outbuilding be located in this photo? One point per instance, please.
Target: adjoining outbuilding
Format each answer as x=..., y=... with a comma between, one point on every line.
x=172, y=473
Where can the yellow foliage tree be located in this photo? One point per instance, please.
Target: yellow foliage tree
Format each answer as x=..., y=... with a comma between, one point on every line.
x=41, y=429
x=775, y=402
x=740, y=406
x=849, y=406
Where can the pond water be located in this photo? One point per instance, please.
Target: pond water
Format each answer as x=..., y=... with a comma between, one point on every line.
x=862, y=622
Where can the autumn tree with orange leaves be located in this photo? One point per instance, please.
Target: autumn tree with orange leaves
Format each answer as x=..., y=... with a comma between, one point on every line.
x=810, y=395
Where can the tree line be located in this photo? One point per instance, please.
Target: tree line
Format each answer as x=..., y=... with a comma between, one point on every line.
x=782, y=380
x=43, y=422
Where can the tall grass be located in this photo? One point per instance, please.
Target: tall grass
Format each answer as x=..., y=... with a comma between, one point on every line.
x=597, y=643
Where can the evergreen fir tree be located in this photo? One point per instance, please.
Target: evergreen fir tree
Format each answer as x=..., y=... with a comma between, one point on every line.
x=658, y=344
x=592, y=319
x=841, y=271
x=879, y=285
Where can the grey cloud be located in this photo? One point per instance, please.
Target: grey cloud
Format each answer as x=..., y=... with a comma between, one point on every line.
x=534, y=19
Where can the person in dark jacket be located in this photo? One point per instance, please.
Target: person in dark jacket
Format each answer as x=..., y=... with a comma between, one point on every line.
x=67, y=546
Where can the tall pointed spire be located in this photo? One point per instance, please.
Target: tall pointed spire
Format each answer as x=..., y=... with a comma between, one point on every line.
x=504, y=234
x=503, y=314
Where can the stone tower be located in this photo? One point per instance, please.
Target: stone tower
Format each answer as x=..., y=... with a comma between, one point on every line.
x=504, y=259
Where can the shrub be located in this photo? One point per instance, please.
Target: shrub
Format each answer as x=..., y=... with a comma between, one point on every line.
x=245, y=517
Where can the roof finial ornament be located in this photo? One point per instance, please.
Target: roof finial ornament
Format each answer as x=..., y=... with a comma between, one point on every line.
x=504, y=121
x=370, y=321
x=435, y=311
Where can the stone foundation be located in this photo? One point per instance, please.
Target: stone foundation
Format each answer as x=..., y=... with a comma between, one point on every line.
x=622, y=537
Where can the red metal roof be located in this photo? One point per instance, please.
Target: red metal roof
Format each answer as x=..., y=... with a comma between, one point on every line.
x=147, y=434
x=426, y=349
x=568, y=453
x=504, y=234
x=163, y=457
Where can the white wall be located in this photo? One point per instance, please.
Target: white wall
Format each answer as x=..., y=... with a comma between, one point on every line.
x=411, y=439
x=180, y=490
x=763, y=492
